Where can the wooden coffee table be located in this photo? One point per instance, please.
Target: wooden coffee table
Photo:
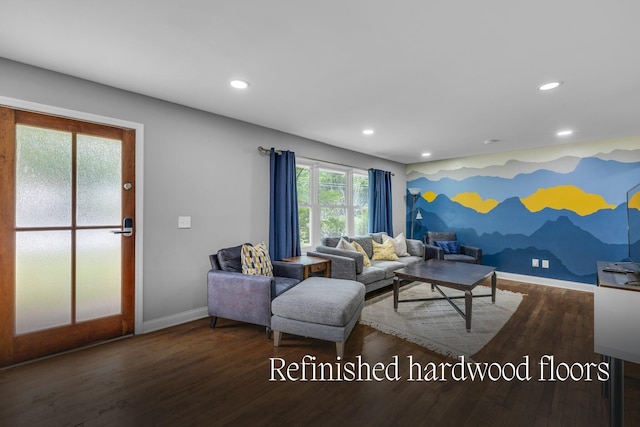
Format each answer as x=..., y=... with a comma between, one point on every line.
x=449, y=274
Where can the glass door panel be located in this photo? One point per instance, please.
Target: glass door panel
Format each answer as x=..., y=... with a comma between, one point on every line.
x=43, y=177
x=43, y=275
x=99, y=163
x=98, y=274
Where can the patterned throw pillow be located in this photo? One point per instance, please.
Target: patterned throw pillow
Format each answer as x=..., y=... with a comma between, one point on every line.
x=367, y=261
x=384, y=252
x=449, y=246
x=400, y=243
x=256, y=260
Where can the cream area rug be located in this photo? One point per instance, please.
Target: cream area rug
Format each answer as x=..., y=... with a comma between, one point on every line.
x=435, y=324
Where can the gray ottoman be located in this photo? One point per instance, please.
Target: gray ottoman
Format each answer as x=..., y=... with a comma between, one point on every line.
x=318, y=307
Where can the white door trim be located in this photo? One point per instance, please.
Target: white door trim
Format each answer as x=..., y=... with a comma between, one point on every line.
x=139, y=129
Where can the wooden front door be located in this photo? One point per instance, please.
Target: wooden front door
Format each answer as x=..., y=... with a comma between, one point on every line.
x=66, y=267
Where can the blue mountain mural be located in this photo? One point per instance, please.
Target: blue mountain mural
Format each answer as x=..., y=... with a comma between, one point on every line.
x=572, y=252
x=511, y=235
x=507, y=218
x=609, y=178
x=512, y=260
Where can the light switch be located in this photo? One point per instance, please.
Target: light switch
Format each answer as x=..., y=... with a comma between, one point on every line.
x=184, y=222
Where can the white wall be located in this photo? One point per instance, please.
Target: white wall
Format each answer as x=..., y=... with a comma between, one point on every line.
x=197, y=164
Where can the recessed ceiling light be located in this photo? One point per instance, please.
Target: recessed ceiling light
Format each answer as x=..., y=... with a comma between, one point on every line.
x=426, y=154
x=239, y=84
x=564, y=132
x=549, y=86
x=368, y=132
x=490, y=141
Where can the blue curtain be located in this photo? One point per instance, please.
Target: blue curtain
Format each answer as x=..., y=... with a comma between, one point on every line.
x=284, y=232
x=380, y=205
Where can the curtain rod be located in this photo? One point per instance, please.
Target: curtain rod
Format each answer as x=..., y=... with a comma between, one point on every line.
x=263, y=150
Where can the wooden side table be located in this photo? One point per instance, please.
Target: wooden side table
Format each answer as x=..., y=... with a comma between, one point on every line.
x=312, y=265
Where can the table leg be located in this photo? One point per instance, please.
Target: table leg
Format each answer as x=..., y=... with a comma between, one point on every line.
x=396, y=290
x=493, y=288
x=605, y=384
x=468, y=300
x=616, y=394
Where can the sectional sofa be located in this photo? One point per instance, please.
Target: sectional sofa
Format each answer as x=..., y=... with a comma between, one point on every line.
x=350, y=264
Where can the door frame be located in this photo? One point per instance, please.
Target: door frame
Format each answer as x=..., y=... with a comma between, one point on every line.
x=139, y=159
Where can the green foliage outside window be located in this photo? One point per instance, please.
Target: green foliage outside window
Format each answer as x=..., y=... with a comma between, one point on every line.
x=332, y=199
x=361, y=204
x=304, y=198
x=332, y=203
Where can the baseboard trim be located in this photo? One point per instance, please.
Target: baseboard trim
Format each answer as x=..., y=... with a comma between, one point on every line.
x=174, y=319
x=536, y=280
x=202, y=312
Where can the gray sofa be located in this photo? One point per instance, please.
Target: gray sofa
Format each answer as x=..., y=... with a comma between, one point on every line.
x=346, y=264
x=243, y=297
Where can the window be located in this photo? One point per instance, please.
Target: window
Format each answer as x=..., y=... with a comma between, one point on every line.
x=332, y=201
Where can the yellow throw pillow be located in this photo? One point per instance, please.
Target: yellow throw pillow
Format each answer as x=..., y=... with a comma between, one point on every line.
x=367, y=261
x=400, y=243
x=256, y=260
x=384, y=252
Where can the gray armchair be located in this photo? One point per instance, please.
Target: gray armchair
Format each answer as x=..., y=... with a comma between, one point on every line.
x=243, y=297
x=437, y=241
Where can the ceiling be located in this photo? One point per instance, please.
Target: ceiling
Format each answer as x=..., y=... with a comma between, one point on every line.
x=428, y=76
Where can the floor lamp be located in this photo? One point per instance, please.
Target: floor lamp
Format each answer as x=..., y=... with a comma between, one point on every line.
x=415, y=192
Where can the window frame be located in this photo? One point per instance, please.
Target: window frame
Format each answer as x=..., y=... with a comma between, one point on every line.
x=314, y=206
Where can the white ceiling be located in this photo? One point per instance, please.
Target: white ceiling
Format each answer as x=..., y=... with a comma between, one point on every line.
x=438, y=76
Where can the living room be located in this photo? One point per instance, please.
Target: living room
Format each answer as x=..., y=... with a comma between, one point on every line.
x=206, y=166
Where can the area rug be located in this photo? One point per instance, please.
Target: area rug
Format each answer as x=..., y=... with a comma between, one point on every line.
x=435, y=324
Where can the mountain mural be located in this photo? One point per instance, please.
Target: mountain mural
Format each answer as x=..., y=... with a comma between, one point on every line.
x=572, y=218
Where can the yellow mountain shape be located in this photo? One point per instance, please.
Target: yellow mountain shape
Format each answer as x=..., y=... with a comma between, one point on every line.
x=429, y=196
x=635, y=201
x=475, y=202
x=567, y=197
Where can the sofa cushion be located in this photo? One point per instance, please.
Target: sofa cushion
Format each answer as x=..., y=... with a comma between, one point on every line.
x=366, y=242
x=256, y=260
x=385, y=251
x=377, y=237
x=459, y=258
x=409, y=260
x=388, y=267
x=230, y=259
x=365, y=258
x=443, y=236
x=370, y=275
x=332, y=242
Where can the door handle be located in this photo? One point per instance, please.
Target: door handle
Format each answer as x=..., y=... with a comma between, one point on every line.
x=127, y=228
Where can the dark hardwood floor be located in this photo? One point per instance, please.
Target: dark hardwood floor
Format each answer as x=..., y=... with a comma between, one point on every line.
x=191, y=375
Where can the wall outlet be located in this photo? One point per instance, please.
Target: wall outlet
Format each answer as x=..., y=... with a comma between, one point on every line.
x=535, y=262
x=184, y=222
x=545, y=263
